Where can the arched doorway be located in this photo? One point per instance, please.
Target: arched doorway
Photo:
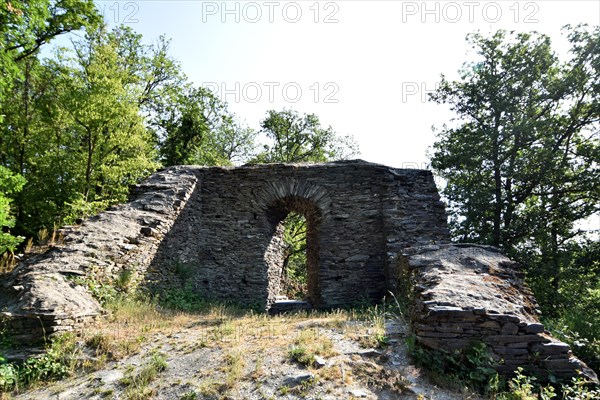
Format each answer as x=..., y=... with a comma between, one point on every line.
x=294, y=209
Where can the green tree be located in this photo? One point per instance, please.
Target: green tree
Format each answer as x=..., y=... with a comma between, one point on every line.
x=27, y=140
x=9, y=185
x=197, y=128
x=75, y=131
x=520, y=161
x=301, y=138
x=80, y=126
x=27, y=25
x=151, y=74
x=522, y=154
x=108, y=135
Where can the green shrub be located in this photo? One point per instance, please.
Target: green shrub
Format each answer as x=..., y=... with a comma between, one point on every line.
x=472, y=367
x=580, y=389
x=184, y=299
x=580, y=329
x=58, y=361
x=9, y=377
x=301, y=355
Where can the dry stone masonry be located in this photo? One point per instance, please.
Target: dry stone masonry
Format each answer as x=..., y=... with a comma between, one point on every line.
x=41, y=297
x=218, y=231
x=227, y=242
x=469, y=293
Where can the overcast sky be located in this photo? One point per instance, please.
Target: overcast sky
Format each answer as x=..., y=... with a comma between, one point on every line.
x=363, y=67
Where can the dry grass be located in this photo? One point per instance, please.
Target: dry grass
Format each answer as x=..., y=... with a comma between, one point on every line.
x=7, y=263
x=132, y=322
x=133, y=325
x=137, y=384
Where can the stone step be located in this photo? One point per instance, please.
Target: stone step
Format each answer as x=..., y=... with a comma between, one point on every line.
x=283, y=306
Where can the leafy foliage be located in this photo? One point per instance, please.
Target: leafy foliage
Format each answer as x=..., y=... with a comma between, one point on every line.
x=58, y=362
x=198, y=129
x=521, y=163
x=9, y=185
x=295, y=274
x=27, y=25
x=521, y=157
x=184, y=299
x=473, y=366
x=295, y=138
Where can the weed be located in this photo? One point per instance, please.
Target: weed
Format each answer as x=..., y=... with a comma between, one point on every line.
x=7, y=262
x=580, y=389
x=28, y=246
x=284, y=390
x=381, y=340
x=42, y=235
x=58, y=361
x=234, y=368
x=223, y=330
x=209, y=388
x=9, y=377
x=301, y=355
x=137, y=384
x=99, y=342
x=258, y=372
x=470, y=367
x=191, y=395
x=183, y=270
x=370, y=329
x=183, y=300
x=99, y=286
x=523, y=387
x=125, y=279
x=309, y=344
x=104, y=393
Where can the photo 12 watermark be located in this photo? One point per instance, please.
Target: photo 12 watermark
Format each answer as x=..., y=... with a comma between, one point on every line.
x=418, y=91
x=453, y=12
x=274, y=92
x=120, y=12
x=270, y=11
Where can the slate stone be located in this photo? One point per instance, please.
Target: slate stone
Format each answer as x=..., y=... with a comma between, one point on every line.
x=470, y=293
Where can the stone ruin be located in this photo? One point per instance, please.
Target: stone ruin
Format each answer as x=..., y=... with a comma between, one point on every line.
x=466, y=293
x=219, y=231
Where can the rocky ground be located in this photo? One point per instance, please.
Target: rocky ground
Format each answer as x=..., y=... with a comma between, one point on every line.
x=252, y=357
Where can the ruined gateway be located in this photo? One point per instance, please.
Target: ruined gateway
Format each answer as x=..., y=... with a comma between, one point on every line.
x=219, y=230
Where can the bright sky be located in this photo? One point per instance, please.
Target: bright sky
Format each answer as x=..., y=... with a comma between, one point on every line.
x=363, y=67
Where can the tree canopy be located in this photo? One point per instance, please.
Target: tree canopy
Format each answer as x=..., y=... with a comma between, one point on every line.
x=301, y=138
x=526, y=140
x=27, y=25
x=520, y=162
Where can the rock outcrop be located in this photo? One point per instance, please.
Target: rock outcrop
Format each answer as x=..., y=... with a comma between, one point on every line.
x=469, y=293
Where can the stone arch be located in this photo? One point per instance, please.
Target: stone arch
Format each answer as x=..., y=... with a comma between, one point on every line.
x=275, y=191
x=276, y=201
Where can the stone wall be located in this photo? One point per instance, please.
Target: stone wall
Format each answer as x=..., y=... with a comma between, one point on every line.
x=219, y=231
x=41, y=297
x=227, y=241
x=468, y=293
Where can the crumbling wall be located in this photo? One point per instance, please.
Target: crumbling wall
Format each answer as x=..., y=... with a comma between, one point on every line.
x=359, y=215
x=469, y=293
x=40, y=298
x=216, y=230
